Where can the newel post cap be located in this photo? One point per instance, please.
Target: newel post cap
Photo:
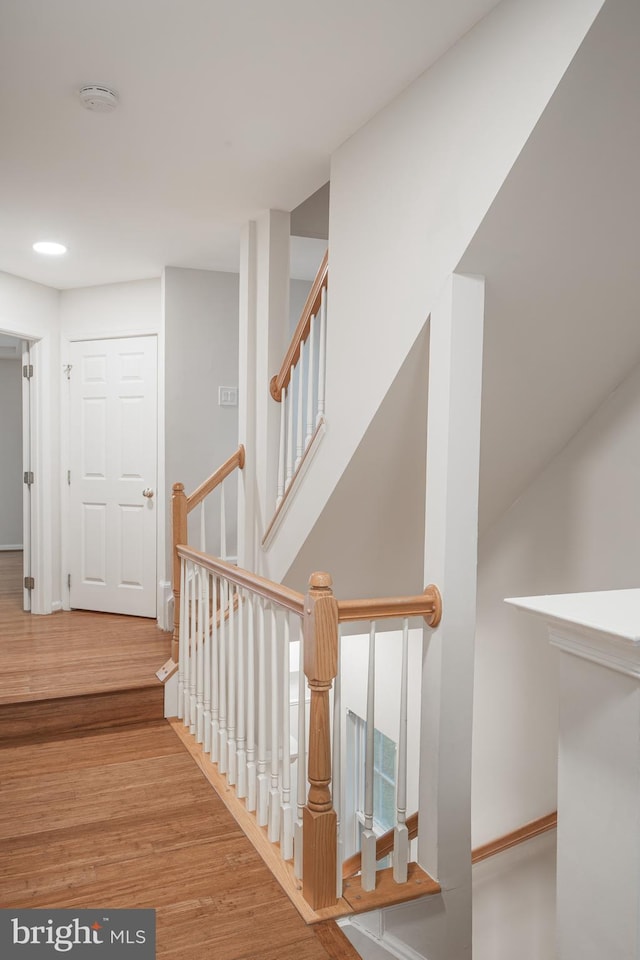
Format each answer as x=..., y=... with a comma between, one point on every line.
x=320, y=581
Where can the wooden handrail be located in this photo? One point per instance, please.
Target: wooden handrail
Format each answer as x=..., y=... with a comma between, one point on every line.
x=527, y=832
x=384, y=844
x=269, y=590
x=181, y=505
x=427, y=605
x=235, y=460
x=311, y=307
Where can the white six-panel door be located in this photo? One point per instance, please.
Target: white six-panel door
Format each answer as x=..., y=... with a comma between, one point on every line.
x=113, y=470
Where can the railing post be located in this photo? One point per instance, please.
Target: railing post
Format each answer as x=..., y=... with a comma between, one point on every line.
x=319, y=817
x=179, y=533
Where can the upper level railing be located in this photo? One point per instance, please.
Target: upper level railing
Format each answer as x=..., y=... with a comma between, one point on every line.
x=299, y=386
x=257, y=665
x=181, y=506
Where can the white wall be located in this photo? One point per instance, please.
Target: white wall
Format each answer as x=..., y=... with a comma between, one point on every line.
x=408, y=191
x=30, y=311
x=576, y=528
x=201, y=354
x=10, y=453
x=298, y=293
x=111, y=310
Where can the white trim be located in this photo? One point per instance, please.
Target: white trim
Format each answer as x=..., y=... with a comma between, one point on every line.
x=165, y=605
x=56, y=606
x=42, y=429
x=388, y=941
x=10, y=546
x=294, y=486
x=607, y=650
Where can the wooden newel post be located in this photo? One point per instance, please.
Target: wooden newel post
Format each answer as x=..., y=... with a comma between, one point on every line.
x=319, y=818
x=180, y=536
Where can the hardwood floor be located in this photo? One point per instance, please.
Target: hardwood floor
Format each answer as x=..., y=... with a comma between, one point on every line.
x=121, y=816
x=71, y=653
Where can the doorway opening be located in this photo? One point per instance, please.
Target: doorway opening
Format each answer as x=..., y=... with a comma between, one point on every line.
x=15, y=463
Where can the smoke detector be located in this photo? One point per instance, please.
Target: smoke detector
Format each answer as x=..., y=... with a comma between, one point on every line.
x=96, y=97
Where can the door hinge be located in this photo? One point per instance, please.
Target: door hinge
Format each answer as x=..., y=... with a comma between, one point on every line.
x=69, y=477
x=67, y=370
x=69, y=580
x=27, y=371
x=28, y=477
x=29, y=583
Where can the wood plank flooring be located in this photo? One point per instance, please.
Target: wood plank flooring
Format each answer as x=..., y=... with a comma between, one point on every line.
x=71, y=653
x=125, y=819
x=122, y=817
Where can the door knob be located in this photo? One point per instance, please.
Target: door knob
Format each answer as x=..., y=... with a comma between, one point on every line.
x=147, y=492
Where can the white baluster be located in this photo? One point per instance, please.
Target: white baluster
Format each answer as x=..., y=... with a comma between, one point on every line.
x=223, y=524
x=400, y=857
x=322, y=354
x=182, y=645
x=200, y=660
x=290, y=400
x=310, y=383
x=215, y=672
x=336, y=770
x=368, y=879
x=231, y=704
x=193, y=649
x=203, y=528
x=274, y=791
x=241, y=742
x=300, y=411
x=301, y=780
x=188, y=580
x=251, y=709
x=207, y=662
x=222, y=722
x=282, y=448
x=286, y=810
x=262, y=778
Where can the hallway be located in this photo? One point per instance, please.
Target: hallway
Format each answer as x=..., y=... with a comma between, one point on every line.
x=101, y=805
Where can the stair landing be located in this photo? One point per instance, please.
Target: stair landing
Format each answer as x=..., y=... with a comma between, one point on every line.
x=102, y=806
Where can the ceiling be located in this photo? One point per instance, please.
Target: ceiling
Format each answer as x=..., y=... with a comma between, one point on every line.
x=227, y=108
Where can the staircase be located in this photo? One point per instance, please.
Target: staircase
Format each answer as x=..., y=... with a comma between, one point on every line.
x=102, y=806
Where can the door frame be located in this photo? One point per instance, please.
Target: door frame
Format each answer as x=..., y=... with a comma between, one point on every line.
x=37, y=523
x=65, y=414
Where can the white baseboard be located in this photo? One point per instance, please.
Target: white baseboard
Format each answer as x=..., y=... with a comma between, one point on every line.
x=11, y=546
x=171, y=696
x=165, y=605
x=56, y=605
x=387, y=942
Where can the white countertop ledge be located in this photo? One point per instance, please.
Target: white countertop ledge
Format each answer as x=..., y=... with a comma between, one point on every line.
x=612, y=612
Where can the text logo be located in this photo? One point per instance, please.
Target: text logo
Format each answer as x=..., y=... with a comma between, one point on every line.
x=80, y=934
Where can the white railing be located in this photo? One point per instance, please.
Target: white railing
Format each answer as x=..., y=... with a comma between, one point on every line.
x=256, y=665
x=207, y=516
x=300, y=385
x=240, y=647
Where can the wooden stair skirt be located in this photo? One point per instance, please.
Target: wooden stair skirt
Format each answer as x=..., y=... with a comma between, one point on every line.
x=59, y=717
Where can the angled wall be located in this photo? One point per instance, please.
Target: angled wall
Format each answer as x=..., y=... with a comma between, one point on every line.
x=408, y=192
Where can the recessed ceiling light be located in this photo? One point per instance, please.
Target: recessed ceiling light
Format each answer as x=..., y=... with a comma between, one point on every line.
x=49, y=246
